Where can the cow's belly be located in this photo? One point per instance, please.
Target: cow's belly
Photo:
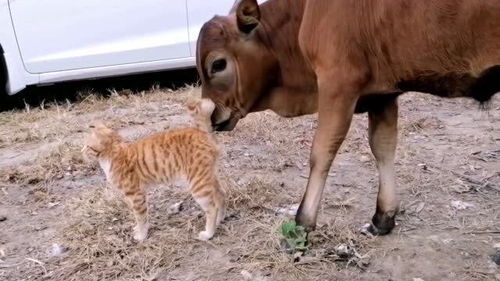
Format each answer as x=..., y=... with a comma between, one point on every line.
x=481, y=87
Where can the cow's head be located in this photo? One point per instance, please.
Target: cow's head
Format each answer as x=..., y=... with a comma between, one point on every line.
x=235, y=66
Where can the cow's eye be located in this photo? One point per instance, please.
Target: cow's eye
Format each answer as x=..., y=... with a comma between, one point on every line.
x=218, y=66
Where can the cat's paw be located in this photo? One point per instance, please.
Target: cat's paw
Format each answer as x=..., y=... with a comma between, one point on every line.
x=140, y=233
x=205, y=235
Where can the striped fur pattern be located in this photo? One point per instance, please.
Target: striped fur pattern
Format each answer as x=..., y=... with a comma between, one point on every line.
x=189, y=154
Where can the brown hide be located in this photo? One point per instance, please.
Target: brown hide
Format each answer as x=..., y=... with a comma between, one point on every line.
x=435, y=46
x=337, y=57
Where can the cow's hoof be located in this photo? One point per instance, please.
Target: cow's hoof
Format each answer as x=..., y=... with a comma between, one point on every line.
x=371, y=230
x=308, y=224
x=383, y=223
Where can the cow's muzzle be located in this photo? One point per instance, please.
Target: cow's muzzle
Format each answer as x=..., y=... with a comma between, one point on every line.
x=227, y=125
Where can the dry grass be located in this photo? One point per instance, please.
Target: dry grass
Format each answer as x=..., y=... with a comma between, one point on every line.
x=56, y=121
x=54, y=132
x=98, y=228
x=263, y=167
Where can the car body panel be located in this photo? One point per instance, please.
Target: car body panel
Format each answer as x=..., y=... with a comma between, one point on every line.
x=115, y=70
x=50, y=41
x=57, y=35
x=17, y=77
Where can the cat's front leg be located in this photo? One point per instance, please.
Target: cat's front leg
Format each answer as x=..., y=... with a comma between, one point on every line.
x=211, y=222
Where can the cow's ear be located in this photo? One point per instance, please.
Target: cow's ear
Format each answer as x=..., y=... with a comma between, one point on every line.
x=247, y=15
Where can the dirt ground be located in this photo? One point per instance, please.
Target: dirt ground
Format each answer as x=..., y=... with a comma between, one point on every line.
x=60, y=221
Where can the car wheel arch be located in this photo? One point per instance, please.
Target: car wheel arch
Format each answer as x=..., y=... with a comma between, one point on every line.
x=3, y=73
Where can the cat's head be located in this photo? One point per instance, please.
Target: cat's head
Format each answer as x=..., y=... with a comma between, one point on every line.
x=100, y=141
x=201, y=110
x=200, y=107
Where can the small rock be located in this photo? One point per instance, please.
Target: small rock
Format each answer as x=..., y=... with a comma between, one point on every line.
x=52, y=204
x=365, y=230
x=363, y=263
x=344, y=252
x=40, y=227
x=307, y=260
x=287, y=211
x=246, y=275
x=364, y=158
x=57, y=250
x=496, y=257
x=418, y=279
x=285, y=247
x=423, y=166
x=447, y=241
x=175, y=208
x=460, y=205
x=496, y=246
x=419, y=207
x=3, y=218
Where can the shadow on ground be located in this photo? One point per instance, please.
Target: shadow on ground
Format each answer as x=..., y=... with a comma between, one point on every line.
x=36, y=95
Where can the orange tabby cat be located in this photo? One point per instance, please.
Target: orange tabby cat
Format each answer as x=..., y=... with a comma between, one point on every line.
x=189, y=153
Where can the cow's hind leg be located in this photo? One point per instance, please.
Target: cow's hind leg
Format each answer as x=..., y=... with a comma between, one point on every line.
x=383, y=138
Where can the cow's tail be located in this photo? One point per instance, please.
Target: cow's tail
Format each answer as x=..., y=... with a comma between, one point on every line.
x=487, y=85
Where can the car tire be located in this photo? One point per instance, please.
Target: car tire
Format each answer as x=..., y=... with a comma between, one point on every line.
x=4, y=98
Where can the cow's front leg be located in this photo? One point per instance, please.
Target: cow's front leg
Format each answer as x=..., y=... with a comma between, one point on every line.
x=337, y=100
x=383, y=139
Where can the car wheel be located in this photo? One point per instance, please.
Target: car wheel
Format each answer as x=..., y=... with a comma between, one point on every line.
x=4, y=98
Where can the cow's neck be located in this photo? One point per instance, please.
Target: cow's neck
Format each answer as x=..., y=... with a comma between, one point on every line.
x=294, y=92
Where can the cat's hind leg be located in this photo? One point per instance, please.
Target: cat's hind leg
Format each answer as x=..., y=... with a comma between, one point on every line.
x=221, y=213
x=220, y=203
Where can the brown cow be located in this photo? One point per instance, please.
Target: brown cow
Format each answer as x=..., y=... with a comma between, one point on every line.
x=340, y=57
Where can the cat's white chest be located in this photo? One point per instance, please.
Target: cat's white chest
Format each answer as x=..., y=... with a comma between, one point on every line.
x=106, y=167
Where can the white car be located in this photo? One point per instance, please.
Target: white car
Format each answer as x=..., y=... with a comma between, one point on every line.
x=49, y=41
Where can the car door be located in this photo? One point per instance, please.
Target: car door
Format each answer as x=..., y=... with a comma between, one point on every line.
x=200, y=11
x=58, y=35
